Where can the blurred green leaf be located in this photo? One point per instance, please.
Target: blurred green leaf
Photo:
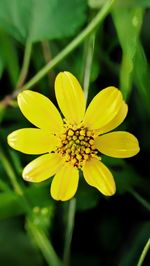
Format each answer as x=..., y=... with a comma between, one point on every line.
x=132, y=250
x=16, y=161
x=43, y=217
x=39, y=195
x=126, y=177
x=16, y=247
x=77, y=67
x=120, y=3
x=42, y=19
x=142, y=75
x=3, y=186
x=128, y=25
x=133, y=3
x=12, y=204
x=10, y=56
x=87, y=197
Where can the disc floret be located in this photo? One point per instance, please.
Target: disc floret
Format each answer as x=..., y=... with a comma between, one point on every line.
x=77, y=145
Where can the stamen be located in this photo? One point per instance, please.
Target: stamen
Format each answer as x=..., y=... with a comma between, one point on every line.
x=87, y=150
x=77, y=145
x=70, y=132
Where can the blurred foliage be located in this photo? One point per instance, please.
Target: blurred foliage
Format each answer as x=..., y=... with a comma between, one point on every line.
x=19, y=248
x=128, y=25
x=42, y=19
x=120, y=3
x=107, y=231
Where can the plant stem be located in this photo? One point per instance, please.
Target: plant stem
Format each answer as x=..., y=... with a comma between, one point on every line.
x=25, y=65
x=72, y=45
x=46, y=51
x=12, y=177
x=10, y=172
x=140, y=199
x=48, y=57
x=88, y=58
x=69, y=231
x=144, y=252
x=44, y=244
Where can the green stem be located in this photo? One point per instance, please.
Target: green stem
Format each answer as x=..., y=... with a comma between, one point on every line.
x=48, y=57
x=140, y=199
x=46, y=51
x=16, y=161
x=10, y=172
x=69, y=231
x=72, y=45
x=13, y=180
x=88, y=58
x=144, y=252
x=25, y=65
x=44, y=244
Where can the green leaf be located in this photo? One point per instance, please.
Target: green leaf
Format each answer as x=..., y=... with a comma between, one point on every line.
x=42, y=19
x=126, y=177
x=136, y=242
x=16, y=247
x=43, y=217
x=128, y=25
x=9, y=205
x=12, y=204
x=141, y=76
x=10, y=56
x=120, y=3
x=87, y=196
x=133, y=3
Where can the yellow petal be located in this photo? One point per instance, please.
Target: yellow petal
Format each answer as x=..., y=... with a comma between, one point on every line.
x=40, y=111
x=32, y=141
x=65, y=183
x=70, y=97
x=98, y=175
x=103, y=108
x=118, y=144
x=117, y=120
x=42, y=167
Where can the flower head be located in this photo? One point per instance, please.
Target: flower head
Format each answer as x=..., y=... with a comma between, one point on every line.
x=75, y=142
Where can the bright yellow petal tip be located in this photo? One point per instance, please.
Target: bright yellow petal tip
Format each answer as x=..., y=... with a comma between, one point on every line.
x=32, y=141
x=118, y=144
x=103, y=108
x=70, y=97
x=65, y=183
x=98, y=175
x=117, y=120
x=42, y=168
x=40, y=111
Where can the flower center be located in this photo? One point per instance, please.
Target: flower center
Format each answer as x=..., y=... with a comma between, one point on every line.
x=77, y=145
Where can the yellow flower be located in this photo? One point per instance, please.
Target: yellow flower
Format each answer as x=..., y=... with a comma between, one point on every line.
x=76, y=142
